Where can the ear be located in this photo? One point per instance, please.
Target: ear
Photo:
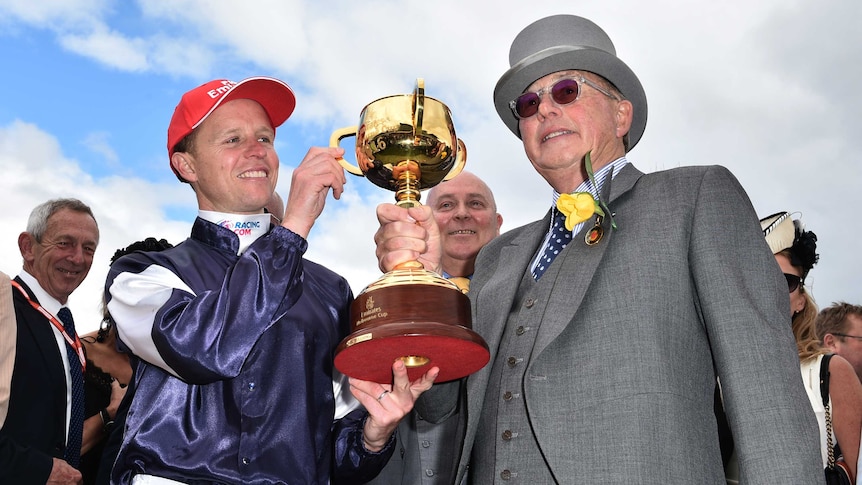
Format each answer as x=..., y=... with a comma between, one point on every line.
x=798, y=304
x=184, y=164
x=623, y=117
x=25, y=245
x=829, y=342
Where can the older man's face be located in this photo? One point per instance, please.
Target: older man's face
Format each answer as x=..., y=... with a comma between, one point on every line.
x=465, y=211
x=557, y=137
x=61, y=261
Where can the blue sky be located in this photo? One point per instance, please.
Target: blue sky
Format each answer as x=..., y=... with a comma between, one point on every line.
x=768, y=89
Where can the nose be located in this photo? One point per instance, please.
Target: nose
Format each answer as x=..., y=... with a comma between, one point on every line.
x=77, y=255
x=547, y=106
x=256, y=148
x=461, y=212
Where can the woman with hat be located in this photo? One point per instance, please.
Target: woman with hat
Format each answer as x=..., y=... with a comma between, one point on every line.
x=795, y=251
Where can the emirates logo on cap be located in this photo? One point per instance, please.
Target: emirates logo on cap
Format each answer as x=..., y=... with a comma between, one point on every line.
x=225, y=87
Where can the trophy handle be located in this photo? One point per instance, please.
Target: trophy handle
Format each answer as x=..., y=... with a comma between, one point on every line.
x=418, y=106
x=460, y=161
x=335, y=142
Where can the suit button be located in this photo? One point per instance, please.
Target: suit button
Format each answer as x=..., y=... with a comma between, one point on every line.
x=429, y=472
x=507, y=435
x=426, y=444
x=520, y=330
x=505, y=474
x=529, y=302
x=507, y=396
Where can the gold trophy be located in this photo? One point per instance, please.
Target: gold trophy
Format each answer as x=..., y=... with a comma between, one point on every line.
x=406, y=143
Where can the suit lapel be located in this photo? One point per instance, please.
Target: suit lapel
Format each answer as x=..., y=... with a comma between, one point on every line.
x=508, y=270
x=41, y=331
x=511, y=264
x=579, y=264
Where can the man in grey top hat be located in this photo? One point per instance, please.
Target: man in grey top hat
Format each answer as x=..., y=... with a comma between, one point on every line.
x=610, y=318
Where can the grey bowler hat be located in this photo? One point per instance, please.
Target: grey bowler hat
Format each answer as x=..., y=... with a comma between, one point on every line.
x=563, y=42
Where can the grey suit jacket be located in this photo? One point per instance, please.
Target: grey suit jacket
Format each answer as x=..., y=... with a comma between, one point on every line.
x=619, y=386
x=424, y=453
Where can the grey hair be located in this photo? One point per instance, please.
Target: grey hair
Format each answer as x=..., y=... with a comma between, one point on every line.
x=37, y=224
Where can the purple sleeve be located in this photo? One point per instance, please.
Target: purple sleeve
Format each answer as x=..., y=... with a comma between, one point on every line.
x=160, y=299
x=352, y=462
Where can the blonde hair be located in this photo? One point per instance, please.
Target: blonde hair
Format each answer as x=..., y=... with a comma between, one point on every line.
x=807, y=343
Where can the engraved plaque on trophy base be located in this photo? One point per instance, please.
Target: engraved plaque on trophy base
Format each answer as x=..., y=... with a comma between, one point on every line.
x=424, y=325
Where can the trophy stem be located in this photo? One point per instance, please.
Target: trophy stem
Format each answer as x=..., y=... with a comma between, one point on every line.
x=407, y=193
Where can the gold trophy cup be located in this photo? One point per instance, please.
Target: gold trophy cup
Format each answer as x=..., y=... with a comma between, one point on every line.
x=406, y=143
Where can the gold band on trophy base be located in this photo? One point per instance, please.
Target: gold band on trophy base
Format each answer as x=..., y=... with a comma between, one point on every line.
x=424, y=325
x=406, y=144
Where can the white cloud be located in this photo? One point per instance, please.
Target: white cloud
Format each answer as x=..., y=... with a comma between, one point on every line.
x=55, y=14
x=109, y=48
x=98, y=142
x=35, y=170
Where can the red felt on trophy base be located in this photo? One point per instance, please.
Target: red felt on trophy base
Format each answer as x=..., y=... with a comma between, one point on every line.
x=372, y=360
x=425, y=325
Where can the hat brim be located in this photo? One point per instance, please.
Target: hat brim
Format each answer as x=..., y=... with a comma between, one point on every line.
x=514, y=81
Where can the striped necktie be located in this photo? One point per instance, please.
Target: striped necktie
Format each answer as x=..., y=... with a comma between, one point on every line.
x=76, y=420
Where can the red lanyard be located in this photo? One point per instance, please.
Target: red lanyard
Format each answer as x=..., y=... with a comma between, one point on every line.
x=75, y=344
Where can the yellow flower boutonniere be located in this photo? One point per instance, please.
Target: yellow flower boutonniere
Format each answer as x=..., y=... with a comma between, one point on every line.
x=578, y=207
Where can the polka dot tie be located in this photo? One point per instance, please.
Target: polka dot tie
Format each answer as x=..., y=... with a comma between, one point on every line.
x=76, y=420
x=560, y=237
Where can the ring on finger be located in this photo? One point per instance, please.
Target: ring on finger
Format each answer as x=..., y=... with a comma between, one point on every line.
x=382, y=395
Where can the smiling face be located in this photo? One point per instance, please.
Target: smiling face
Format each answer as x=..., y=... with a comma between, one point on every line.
x=466, y=213
x=557, y=138
x=61, y=261
x=232, y=164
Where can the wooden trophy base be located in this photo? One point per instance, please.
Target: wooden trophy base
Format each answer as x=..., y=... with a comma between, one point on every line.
x=425, y=324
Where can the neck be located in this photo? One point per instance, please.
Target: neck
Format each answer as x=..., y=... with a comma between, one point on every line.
x=38, y=292
x=566, y=181
x=105, y=356
x=458, y=267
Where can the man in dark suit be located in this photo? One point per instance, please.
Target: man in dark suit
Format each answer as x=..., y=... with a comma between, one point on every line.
x=39, y=441
x=610, y=318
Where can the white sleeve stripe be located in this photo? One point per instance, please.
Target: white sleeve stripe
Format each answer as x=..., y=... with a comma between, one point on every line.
x=345, y=402
x=136, y=298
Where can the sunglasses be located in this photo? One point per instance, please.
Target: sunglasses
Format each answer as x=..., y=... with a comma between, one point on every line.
x=563, y=92
x=793, y=281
